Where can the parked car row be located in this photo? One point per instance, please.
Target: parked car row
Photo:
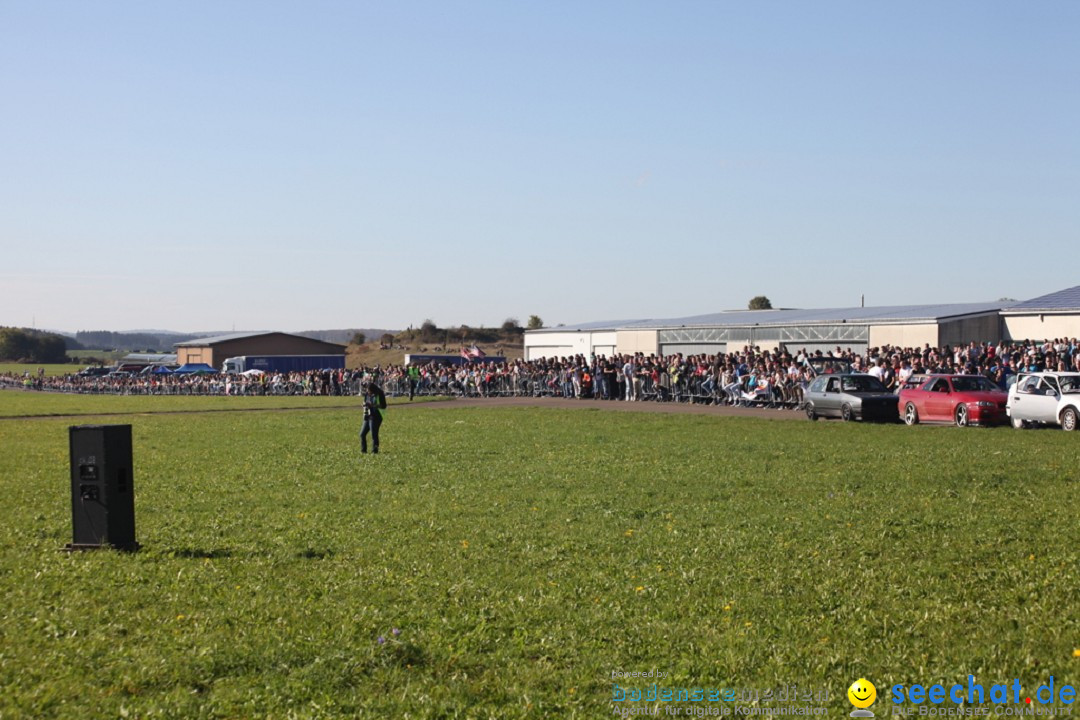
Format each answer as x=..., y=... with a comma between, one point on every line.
x=1038, y=398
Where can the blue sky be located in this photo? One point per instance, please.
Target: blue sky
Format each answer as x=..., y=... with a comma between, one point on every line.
x=289, y=166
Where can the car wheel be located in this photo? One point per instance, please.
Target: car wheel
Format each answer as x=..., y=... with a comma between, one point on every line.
x=1020, y=424
x=846, y=414
x=1068, y=419
x=811, y=414
x=911, y=414
x=963, y=419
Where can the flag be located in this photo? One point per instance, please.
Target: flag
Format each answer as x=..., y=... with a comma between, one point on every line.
x=465, y=354
x=475, y=352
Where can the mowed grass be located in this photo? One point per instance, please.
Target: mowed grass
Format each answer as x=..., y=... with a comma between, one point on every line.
x=525, y=554
x=17, y=404
x=32, y=368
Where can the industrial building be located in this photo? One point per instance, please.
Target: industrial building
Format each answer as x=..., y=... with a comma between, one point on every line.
x=859, y=328
x=214, y=350
x=1046, y=317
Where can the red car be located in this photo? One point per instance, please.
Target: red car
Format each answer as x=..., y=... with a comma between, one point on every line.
x=961, y=399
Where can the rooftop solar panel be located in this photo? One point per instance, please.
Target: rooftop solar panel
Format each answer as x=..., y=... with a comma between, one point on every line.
x=1068, y=299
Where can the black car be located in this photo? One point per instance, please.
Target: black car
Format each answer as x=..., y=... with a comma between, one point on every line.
x=851, y=396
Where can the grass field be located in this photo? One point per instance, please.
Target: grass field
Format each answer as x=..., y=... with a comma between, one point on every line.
x=32, y=368
x=504, y=562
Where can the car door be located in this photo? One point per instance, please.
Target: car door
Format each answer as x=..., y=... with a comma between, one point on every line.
x=938, y=400
x=1048, y=394
x=1030, y=401
x=1020, y=391
x=815, y=394
x=831, y=398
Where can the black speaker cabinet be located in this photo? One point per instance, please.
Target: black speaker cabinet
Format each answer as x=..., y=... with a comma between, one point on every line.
x=102, y=494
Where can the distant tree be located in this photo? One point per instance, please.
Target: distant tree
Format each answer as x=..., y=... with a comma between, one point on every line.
x=50, y=349
x=359, y=338
x=15, y=344
x=428, y=328
x=1006, y=299
x=511, y=325
x=759, y=302
x=18, y=344
x=535, y=323
x=387, y=339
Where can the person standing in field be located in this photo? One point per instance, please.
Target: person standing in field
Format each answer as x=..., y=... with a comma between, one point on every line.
x=414, y=380
x=374, y=405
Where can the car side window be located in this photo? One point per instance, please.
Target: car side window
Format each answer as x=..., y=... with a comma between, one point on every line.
x=1029, y=384
x=834, y=385
x=1047, y=386
x=939, y=385
x=1051, y=382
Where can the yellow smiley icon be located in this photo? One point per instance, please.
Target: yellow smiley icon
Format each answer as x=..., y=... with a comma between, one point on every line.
x=862, y=693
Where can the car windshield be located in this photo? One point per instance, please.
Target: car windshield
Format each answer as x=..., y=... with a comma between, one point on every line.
x=829, y=365
x=1070, y=383
x=973, y=383
x=862, y=383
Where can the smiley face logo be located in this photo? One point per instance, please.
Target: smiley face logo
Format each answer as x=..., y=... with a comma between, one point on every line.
x=862, y=693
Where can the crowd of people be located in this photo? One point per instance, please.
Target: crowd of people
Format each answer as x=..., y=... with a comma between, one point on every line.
x=742, y=376
x=316, y=382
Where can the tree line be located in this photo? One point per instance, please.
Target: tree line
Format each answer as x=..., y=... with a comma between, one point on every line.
x=21, y=345
x=429, y=332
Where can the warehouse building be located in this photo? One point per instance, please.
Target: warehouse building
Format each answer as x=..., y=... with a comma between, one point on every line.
x=214, y=350
x=1056, y=315
x=856, y=328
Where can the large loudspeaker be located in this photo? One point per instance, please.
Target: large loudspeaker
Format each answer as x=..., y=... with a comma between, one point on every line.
x=102, y=495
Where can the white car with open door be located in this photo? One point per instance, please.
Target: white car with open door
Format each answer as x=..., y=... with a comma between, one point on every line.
x=1045, y=398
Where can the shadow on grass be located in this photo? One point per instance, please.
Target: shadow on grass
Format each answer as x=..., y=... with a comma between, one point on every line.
x=202, y=554
x=313, y=554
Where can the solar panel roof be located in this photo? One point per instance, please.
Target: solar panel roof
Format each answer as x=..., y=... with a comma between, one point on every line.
x=220, y=338
x=1067, y=299
x=870, y=315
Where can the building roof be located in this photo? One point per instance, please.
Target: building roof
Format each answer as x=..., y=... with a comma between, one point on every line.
x=218, y=339
x=891, y=315
x=1062, y=300
x=200, y=342
x=863, y=315
x=593, y=326
x=150, y=358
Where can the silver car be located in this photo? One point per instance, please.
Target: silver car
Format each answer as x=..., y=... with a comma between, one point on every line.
x=1045, y=398
x=851, y=396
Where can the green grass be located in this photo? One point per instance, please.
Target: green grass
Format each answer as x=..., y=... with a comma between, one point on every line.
x=32, y=368
x=27, y=404
x=525, y=554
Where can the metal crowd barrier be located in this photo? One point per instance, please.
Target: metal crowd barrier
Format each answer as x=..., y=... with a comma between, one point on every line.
x=689, y=388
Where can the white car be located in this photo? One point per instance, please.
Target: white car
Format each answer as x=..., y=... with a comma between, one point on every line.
x=1046, y=398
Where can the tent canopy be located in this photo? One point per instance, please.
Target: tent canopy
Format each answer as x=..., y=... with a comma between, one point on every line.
x=189, y=368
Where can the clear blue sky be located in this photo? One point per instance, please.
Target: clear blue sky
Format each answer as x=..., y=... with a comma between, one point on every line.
x=289, y=166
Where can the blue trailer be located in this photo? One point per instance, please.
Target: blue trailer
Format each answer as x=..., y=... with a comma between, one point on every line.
x=283, y=363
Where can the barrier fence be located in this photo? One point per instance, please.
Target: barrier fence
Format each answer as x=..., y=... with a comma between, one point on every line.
x=559, y=384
